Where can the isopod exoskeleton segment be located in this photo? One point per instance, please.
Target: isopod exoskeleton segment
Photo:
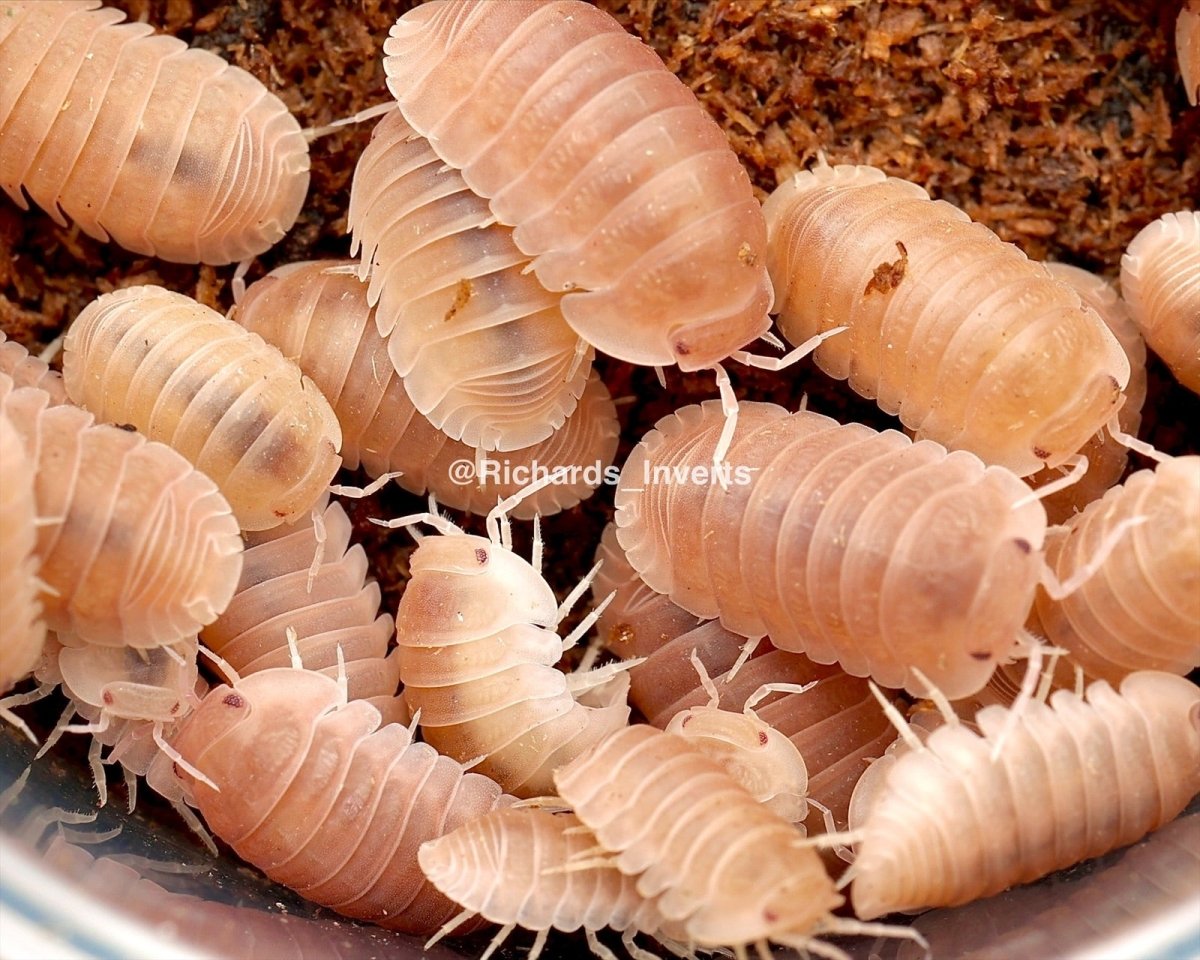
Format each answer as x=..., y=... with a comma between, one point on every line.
x=838, y=542
x=169, y=151
x=231, y=403
x=619, y=185
x=22, y=630
x=959, y=334
x=27, y=370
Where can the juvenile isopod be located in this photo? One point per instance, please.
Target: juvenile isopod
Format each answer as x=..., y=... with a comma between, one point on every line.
x=27, y=370
x=1074, y=779
x=22, y=630
x=1140, y=609
x=836, y=725
x=836, y=541
x=476, y=634
x=169, y=151
x=306, y=578
x=718, y=863
x=618, y=184
x=136, y=546
x=322, y=799
x=511, y=867
x=231, y=403
x=482, y=347
x=1160, y=280
x=318, y=315
x=959, y=334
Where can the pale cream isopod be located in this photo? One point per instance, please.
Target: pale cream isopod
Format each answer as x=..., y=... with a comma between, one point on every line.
x=957, y=333
x=169, y=151
x=22, y=630
x=231, y=403
x=27, y=370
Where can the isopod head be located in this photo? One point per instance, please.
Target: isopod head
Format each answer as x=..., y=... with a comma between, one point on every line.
x=131, y=684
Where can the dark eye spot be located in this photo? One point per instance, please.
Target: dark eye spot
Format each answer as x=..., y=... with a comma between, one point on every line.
x=762, y=737
x=682, y=349
x=1040, y=453
x=234, y=700
x=770, y=916
x=174, y=708
x=481, y=556
x=107, y=698
x=980, y=655
x=1023, y=545
x=126, y=426
x=686, y=720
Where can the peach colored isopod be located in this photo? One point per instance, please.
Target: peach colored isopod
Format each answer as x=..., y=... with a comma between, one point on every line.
x=508, y=867
x=1073, y=780
x=329, y=606
x=318, y=315
x=836, y=725
x=959, y=334
x=1140, y=610
x=27, y=370
x=1106, y=456
x=22, y=630
x=225, y=399
x=482, y=347
x=168, y=151
x=717, y=862
x=477, y=641
x=137, y=547
x=838, y=542
x=618, y=184
x=1160, y=280
x=322, y=799
x=1187, y=49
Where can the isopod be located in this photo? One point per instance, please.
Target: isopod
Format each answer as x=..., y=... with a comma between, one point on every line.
x=228, y=401
x=1160, y=280
x=322, y=799
x=1187, y=49
x=136, y=546
x=1106, y=455
x=511, y=867
x=959, y=334
x=838, y=542
x=318, y=315
x=22, y=630
x=169, y=151
x=1073, y=779
x=1140, y=609
x=27, y=370
x=717, y=862
x=328, y=605
x=476, y=635
x=618, y=184
x=482, y=347
x=836, y=725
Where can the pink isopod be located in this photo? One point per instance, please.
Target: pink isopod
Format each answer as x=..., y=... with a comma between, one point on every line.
x=1160, y=280
x=169, y=151
x=838, y=542
x=322, y=799
x=305, y=580
x=482, y=347
x=27, y=370
x=957, y=333
x=616, y=181
x=1187, y=48
x=22, y=630
x=137, y=547
x=1072, y=780
x=317, y=314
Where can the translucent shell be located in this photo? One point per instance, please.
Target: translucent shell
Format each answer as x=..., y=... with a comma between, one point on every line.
x=22, y=630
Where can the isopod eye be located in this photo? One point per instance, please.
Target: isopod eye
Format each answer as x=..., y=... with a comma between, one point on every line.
x=107, y=698
x=980, y=655
x=762, y=737
x=1023, y=545
x=175, y=707
x=481, y=555
x=681, y=348
x=1041, y=454
x=770, y=916
x=234, y=700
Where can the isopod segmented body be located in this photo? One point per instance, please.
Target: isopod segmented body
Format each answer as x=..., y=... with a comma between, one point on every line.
x=330, y=607
x=27, y=370
x=170, y=151
x=836, y=725
x=837, y=541
x=137, y=547
x=619, y=186
x=1072, y=780
x=718, y=863
x=221, y=396
x=1160, y=280
x=482, y=347
x=1140, y=610
x=959, y=334
x=322, y=799
x=509, y=867
x=22, y=630
x=318, y=315
x=1187, y=49
x=477, y=641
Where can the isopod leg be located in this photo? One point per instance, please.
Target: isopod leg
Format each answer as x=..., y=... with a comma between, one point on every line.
x=499, y=938
x=1057, y=590
x=449, y=926
x=729, y=406
x=539, y=944
x=597, y=948
x=849, y=926
x=10, y=717
x=97, y=768
x=631, y=947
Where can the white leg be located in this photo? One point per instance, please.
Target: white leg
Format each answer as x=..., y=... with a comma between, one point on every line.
x=59, y=729
x=746, y=652
x=499, y=938
x=577, y=591
x=1079, y=468
x=662, y=376
x=313, y=133
x=131, y=782
x=597, y=948
x=1133, y=443
x=896, y=720
x=442, y=525
x=97, y=768
x=539, y=943
x=449, y=926
x=847, y=925
x=238, y=284
x=502, y=508
x=633, y=949
x=769, y=688
x=232, y=677
x=586, y=623
x=714, y=698
x=320, y=536
x=773, y=340
x=177, y=758
x=194, y=824
x=937, y=698
x=729, y=406
x=293, y=649
x=794, y=356
x=10, y=717
x=535, y=556
x=1057, y=590
x=372, y=488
